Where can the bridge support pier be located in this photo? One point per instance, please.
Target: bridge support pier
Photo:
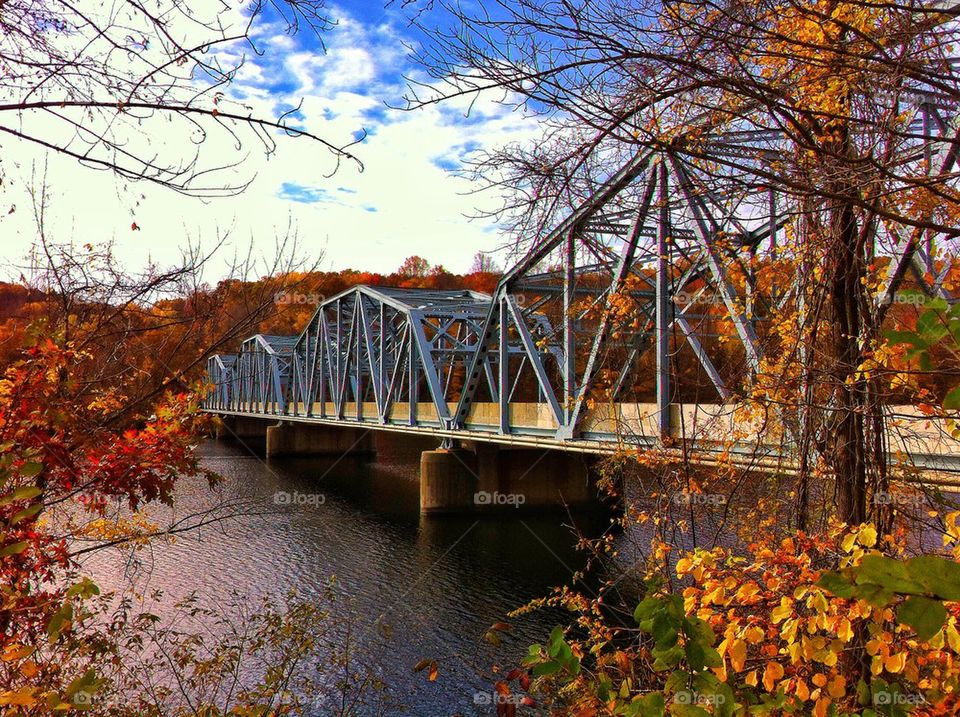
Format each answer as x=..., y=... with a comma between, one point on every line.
x=299, y=439
x=448, y=481
x=482, y=477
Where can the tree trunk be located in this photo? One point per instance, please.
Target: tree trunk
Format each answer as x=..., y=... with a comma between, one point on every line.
x=850, y=445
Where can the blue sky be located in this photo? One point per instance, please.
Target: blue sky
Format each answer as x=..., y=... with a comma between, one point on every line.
x=405, y=201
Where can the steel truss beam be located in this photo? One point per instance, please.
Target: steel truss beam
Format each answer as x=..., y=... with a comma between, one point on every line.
x=556, y=331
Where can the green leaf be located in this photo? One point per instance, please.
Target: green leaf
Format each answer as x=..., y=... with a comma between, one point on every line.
x=25, y=513
x=31, y=469
x=57, y=621
x=837, y=584
x=651, y=705
x=86, y=588
x=924, y=615
x=546, y=668
x=668, y=659
x=931, y=327
x=952, y=400
x=665, y=633
x=24, y=492
x=700, y=630
x=647, y=608
x=940, y=576
x=889, y=573
x=688, y=710
x=901, y=337
x=13, y=548
x=876, y=595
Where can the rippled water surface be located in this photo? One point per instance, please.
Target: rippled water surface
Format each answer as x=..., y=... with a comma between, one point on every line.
x=439, y=582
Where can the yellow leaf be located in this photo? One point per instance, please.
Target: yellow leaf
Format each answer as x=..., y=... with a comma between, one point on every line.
x=953, y=638
x=747, y=590
x=20, y=698
x=837, y=686
x=895, y=663
x=15, y=651
x=781, y=613
x=738, y=654
x=753, y=635
x=844, y=630
x=771, y=674
x=820, y=709
x=789, y=630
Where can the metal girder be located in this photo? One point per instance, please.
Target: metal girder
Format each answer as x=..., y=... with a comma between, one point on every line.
x=664, y=303
x=556, y=327
x=939, y=166
x=379, y=344
x=263, y=369
x=707, y=229
x=221, y=374
x=616, y=285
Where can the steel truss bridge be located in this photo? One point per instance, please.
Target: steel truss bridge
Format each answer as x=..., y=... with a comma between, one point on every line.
x=636, y=319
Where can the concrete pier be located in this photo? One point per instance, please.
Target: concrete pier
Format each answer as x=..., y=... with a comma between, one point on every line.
x=481, y=477
x=448, y=481
x=297, y=439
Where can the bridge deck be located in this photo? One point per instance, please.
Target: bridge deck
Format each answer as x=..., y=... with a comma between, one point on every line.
x=710, y=430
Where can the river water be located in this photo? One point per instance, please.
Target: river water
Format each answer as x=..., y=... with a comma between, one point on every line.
x=437, y=583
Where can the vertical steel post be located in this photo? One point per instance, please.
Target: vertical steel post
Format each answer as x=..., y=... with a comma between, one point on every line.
x=664, y=302
x=928, y=162
x=569, y=335
x=358, y=361
x=503, y=368
x=322, y=344
x=381, y=377
x=412, y=377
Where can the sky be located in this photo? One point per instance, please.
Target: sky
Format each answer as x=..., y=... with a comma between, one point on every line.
x=407, y=200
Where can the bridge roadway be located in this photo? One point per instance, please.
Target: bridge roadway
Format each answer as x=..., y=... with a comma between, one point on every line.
x=712, y=432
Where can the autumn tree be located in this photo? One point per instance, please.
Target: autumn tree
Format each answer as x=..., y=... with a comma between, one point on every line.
x=483, y=264
x=842, y=109
x=413, y=267
x=93, y=82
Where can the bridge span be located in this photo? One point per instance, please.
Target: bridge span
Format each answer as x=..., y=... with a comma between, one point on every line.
x=639, y=321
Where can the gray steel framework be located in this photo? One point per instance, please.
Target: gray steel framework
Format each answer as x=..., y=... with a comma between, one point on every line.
x=554, y=331
x=387, y=346
x=260, y=375
x=222, y=377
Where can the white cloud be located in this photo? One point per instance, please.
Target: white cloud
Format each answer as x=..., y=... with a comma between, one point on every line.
x=403, y=203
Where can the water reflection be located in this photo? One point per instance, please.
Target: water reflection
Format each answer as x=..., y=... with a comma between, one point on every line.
x=437, y=582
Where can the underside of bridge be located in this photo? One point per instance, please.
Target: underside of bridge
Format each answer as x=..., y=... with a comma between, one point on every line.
x=638, y=320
